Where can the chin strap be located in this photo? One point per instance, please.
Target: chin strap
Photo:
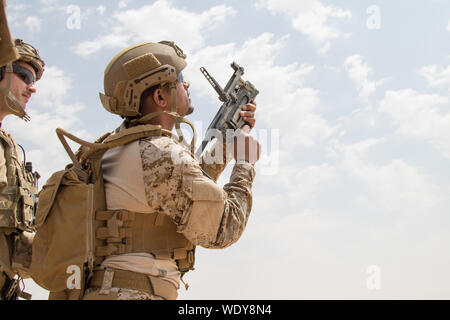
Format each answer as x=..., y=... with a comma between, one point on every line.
x=10, y=100
x=178, y=119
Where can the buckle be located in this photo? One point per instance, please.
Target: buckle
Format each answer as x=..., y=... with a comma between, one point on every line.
x=12, y=290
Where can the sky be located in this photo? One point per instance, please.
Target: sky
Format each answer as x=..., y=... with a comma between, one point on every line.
x=352, y=193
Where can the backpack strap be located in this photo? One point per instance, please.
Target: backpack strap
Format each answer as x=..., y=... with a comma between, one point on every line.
x=96, y=150
x=178, y=119
x=135, y=133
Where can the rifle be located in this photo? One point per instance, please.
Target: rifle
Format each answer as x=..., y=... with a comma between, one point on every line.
x=236, y=94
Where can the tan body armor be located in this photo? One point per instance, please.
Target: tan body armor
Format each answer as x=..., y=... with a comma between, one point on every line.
x=122, y=231
x=17, y=197
x=132, y=232
x=17, y=205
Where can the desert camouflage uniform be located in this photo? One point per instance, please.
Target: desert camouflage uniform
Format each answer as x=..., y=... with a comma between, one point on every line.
x=15, y=245
x=6, y=238
x=168, y=171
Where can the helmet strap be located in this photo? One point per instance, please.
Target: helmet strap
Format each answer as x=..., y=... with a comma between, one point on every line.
x=177, y=118
x=9, y=99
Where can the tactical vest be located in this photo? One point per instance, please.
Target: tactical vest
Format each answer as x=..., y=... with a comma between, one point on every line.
x=75, y=232
x=18, y=196
x=123, y=231
x=17, y=207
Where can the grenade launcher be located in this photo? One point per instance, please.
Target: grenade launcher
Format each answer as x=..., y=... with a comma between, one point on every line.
x=236, y=94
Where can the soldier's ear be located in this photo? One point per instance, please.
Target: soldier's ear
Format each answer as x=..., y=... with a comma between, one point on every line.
x=160, y=98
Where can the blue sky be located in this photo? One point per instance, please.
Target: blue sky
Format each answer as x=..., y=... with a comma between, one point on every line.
x=351, y=198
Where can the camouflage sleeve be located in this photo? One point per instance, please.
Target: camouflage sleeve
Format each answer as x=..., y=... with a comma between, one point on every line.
x=206, y=214
x=215, y=160
x=3, y=178
x=237, y=205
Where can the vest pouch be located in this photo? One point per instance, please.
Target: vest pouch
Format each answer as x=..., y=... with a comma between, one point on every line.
x=21, y=258
x=8, y=203
x=47, y=196
x=61, y=246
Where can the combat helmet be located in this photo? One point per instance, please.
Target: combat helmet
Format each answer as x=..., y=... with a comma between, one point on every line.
x=137, y=68
x=27, y=53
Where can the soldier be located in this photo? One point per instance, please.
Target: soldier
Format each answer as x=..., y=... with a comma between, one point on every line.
x=175, y=202
x=20, y=68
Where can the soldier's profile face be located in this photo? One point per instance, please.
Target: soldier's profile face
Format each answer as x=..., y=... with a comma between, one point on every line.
x=18, y=87
x=184, y=106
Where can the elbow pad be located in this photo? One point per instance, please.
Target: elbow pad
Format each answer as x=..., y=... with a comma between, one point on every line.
x=206, y=213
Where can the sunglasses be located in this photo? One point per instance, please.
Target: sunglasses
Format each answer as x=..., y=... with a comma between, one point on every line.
x=180, y=78
x=23, y=73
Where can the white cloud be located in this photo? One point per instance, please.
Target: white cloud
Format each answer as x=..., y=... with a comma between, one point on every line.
x=399, y=188
x=123, y=4
x=48, y=2
x=313, y=178
x=393, y=188
x=14, y=12
x=134, y=25
x=112, y=40
x=52, y=6
x=33, y=23
x=101, y=9
x=310, y=17
x=352, y=152
x=436, y=76
x=358, y=71
x=284, y=102
x=327, y=221
x=419, y=116
x=52, y=87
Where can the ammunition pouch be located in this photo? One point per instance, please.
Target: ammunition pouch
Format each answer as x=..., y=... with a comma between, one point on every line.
x=17, y=212
x=18, y=197
x=127, y=232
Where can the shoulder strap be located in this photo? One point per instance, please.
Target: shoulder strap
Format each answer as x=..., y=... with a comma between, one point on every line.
x=178, y=119
x=135, y=133
x=96, y=150
x=5, y=136
x=10, y=157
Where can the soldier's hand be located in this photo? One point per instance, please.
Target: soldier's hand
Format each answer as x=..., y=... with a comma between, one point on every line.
x=246, y=147
x=248, y=113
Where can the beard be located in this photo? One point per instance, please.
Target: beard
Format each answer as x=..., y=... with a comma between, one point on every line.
x=190, y=110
